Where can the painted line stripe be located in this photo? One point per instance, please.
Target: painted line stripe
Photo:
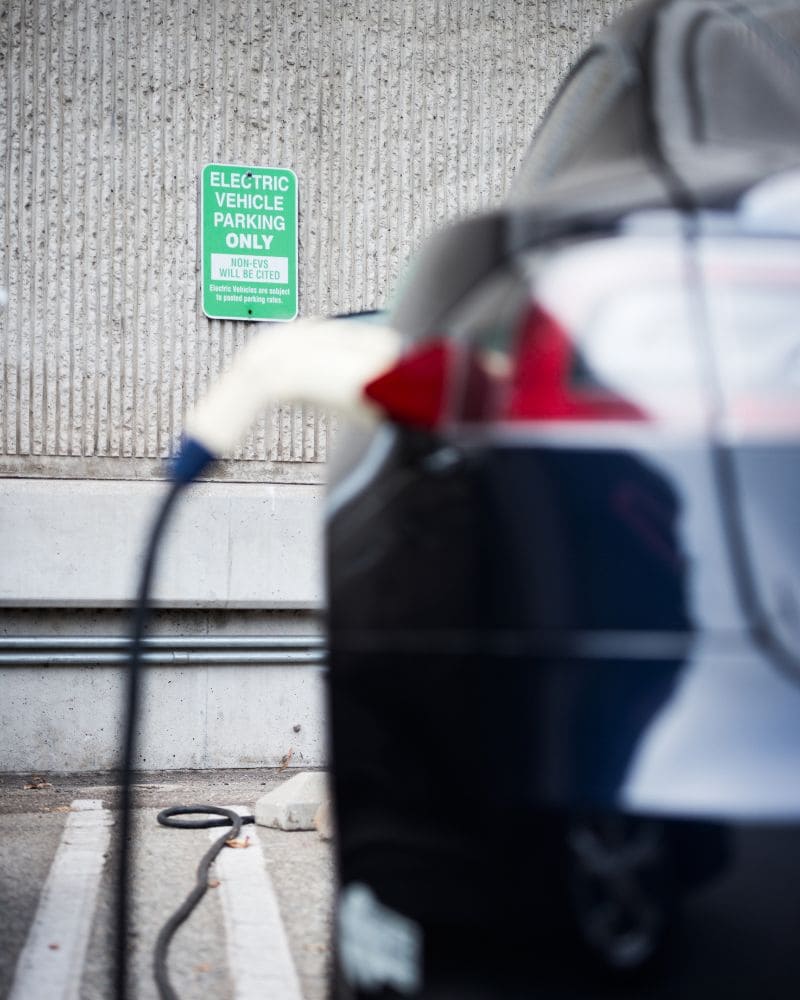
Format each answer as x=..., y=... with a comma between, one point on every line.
x=51, y=963
x=259, y=959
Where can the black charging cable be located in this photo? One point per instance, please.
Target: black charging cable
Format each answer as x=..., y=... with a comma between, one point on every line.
x=167, y=817
x=190, y=461
x=133, y=692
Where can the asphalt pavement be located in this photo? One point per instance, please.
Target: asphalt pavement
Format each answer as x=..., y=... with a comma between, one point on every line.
x=264, y=923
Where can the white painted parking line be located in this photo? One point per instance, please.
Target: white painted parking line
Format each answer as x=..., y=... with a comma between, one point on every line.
x=259, y=960
x=51, y=962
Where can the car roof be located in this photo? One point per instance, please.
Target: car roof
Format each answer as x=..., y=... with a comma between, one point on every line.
x=686, y=101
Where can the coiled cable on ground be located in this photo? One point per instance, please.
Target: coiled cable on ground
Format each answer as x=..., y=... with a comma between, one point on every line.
x=171, y=817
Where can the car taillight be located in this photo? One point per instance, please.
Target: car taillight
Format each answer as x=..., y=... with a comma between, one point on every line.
x=547, y=382
x=414, y=390
x=541, y=380
x=438, y=379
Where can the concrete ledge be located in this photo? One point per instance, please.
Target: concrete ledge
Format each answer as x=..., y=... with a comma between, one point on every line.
x=230, y=545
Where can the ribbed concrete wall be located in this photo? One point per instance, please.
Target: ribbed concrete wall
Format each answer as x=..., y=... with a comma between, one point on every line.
x=395, y=116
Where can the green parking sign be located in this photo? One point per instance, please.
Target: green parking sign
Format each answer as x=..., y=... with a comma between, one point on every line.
x=249, y=245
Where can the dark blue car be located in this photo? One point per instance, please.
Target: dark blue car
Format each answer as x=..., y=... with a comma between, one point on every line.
x=564, y=576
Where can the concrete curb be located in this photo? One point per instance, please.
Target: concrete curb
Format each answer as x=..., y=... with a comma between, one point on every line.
x=295, y=803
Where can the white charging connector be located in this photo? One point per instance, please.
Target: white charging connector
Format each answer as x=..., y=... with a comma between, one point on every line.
x=323, y=362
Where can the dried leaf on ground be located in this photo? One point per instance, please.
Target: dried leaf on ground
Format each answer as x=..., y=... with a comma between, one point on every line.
x=61, y=809
x=38, y=782
x=286, y=759
x=323, y=820
x=238, y=842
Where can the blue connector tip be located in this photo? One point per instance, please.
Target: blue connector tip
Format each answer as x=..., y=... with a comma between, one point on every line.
x=190, y=461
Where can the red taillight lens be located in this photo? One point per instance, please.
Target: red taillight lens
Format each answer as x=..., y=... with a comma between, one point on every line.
x=537, y=383
x=414, y=391
x=440, y=378
x=546, y=383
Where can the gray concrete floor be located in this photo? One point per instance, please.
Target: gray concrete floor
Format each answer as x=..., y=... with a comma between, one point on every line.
x=299, y=865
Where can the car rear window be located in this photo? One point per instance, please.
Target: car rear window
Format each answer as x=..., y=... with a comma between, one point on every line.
x=752, y=304
x=627, y=305
x=621, y=307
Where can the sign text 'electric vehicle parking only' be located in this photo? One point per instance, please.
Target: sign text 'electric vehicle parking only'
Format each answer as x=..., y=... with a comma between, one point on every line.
x=249, y=246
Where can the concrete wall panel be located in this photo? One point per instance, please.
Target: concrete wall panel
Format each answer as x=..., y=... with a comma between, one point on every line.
x=231, y=545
